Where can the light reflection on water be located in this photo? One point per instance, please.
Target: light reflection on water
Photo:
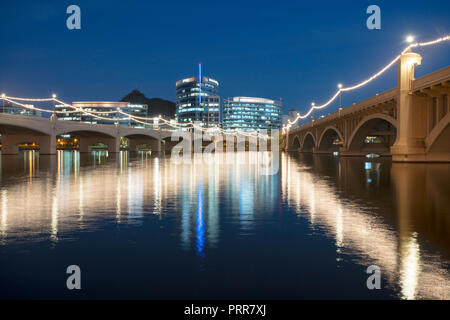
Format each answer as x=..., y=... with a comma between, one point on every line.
x=395, y=216
x=368, y=237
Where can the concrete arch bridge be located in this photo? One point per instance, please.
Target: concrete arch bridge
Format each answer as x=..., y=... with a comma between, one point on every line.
x=411, y=122
x=17, y=130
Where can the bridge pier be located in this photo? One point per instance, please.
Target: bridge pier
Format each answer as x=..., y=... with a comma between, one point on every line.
x=409, y=145
x=169, y=145
x=10, y=144
x=156, y=145
x=47, y=144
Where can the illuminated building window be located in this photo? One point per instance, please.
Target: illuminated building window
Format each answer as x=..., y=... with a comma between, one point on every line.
x=249, y=113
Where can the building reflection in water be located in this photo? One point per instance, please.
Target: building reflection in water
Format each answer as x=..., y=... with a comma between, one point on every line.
x=213, y=207
x=99, y=156
x=200, y=226
x=80, y=202
x=206, y=187
x=363, y=229
x=246, y=190
x=55, y=216
x=123, y=160
x=68, y=163
x=376, y=212
x=4, y=218
x=31, y=162
x=135, y=197
x=185, y=222
x=156, y=186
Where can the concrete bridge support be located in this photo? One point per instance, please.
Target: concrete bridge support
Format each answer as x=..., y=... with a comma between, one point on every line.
x=47, y=144
x=409, y=145
x=169, y=145
x=411, y=122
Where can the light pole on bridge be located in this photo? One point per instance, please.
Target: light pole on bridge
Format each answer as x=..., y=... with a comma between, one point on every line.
x=3, y=102
x=54, y=108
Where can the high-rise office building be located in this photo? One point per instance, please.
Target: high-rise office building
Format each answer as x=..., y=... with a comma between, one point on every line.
x=248, y=113
x=197, y=100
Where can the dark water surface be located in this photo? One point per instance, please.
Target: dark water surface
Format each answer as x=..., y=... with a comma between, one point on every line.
x=144, y=227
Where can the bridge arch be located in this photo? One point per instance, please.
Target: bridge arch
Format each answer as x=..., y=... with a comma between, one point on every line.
x=129, y=131
x=296, y=143
x=140, y=136
x=39, y=127
x=327, y=139
x=437, y=140
x=17, y=130
x=90, y=136
x=377, y=124
x=309, y=142
x=137, y=140
x=85, y=131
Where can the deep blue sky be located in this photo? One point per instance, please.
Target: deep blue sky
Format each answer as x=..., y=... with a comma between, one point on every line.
x=291, y=49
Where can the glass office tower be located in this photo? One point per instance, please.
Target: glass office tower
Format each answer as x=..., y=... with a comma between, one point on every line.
x=197, y=99
x=249, y=114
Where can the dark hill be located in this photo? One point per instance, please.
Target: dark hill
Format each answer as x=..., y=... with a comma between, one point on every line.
x=156, y=106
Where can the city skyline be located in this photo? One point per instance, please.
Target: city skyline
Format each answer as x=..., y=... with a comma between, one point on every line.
x=256, y=66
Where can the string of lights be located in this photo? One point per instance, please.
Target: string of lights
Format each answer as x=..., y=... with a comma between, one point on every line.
x=373, y=77
x=26, y=106
x=96, y=114
x=30, y=99
x=143, y=120
x=165, y=121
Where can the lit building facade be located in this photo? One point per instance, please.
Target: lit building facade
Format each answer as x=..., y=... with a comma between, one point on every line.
x=97, y=111
x=248, y=113
x=198, y=100
x=138, y=110
x=14, y=109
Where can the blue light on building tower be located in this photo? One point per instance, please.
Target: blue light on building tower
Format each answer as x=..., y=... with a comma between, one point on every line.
x=198, y=100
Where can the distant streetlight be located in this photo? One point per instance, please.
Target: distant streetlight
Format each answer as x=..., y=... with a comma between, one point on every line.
x=340, y=96
x=410, y=39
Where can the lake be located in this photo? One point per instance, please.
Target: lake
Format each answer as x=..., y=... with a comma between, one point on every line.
x=142, y=227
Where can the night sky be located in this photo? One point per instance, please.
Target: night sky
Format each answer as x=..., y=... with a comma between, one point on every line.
x=290, y=49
